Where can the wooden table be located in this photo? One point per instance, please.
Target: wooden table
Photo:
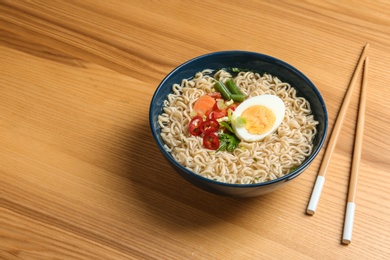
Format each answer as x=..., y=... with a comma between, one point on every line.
x=81, y=177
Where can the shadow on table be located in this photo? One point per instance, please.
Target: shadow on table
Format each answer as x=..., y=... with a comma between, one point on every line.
x=167, y=196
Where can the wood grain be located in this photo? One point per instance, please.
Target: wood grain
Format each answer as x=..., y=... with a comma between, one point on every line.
x=80, y=177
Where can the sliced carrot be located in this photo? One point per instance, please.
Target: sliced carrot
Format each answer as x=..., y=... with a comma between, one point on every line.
x=204, y=104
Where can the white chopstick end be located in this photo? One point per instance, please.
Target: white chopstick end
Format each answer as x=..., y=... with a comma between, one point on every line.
x=315, y=195
x=348, y=223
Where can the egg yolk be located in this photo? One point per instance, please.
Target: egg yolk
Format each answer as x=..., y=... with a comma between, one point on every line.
x=259, y=119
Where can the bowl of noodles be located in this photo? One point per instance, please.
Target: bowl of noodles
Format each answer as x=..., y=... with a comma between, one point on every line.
x=238, y=123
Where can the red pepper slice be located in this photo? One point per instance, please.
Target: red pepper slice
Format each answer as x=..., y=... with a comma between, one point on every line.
x=210, y=126
x=195, y=126
x=210, y=115
x=215, y=95
x=211, y=141
x=217, y=114
x=233, y=106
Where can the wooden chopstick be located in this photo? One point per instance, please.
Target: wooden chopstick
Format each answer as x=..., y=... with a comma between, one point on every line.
x=316, y=193
x=350, y=208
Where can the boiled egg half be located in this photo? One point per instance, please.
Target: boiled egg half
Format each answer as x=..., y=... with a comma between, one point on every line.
x=257, y=117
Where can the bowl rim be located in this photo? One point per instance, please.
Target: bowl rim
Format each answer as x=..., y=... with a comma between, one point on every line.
x=308, y=160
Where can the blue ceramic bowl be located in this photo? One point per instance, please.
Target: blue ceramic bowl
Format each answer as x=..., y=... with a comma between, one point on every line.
x=252, y=61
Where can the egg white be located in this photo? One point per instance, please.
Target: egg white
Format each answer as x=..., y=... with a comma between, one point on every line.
x=272, y=102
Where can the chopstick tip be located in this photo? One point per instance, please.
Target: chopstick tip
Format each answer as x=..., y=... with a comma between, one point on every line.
x=310, y=212
x=346, y=241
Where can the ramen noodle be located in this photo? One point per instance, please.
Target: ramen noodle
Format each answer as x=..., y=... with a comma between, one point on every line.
x=251, y=162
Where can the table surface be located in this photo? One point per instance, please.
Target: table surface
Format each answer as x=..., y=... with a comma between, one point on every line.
x=81, y=178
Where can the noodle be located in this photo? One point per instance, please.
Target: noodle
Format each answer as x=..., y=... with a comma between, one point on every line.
x=252, y=162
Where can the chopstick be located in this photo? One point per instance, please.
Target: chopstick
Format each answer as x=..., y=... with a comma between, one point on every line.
x=316, y=193
x=350, y=209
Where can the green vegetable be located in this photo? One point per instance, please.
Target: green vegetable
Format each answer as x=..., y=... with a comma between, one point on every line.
x=239, y=121
x=227, y=126
x=228, y=142
x=222, y=146
x=238, y=97
x=231, y=146
x=236, y=93
x=229, y=114
x=221, y=88
x=229, y=91
x=231, y=85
